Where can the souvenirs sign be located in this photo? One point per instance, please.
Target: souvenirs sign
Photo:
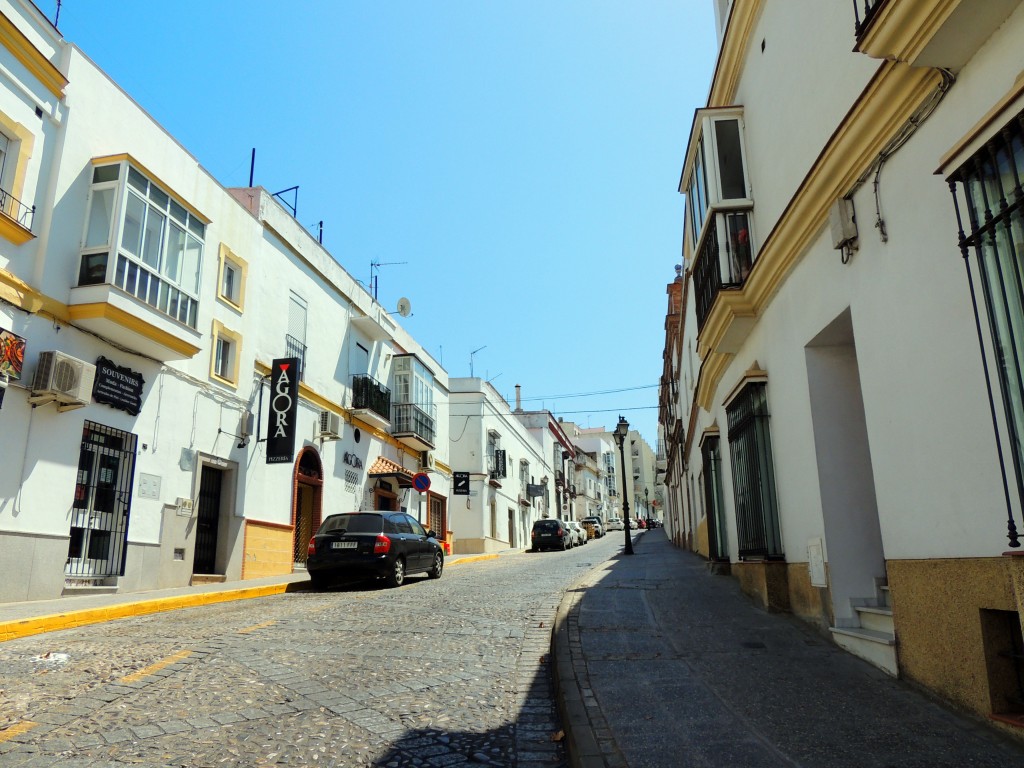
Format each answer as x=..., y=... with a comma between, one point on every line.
x=117, y=386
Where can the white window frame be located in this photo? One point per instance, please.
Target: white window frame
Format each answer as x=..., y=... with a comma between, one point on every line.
x=161, y=285
x=231, y=263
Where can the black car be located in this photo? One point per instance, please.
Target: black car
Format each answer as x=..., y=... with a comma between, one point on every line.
x=550, y=534
x=389, y=545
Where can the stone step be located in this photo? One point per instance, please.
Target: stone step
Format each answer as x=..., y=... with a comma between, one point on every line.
x=876, y=618
x=878, y=648
x=883, y=589
x=208, y=578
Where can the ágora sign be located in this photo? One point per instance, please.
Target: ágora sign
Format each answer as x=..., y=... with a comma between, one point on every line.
x=284, y=409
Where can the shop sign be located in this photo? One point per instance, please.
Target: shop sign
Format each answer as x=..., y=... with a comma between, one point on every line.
x=284, y=410
x=12, y=355
x=352, y=460
x=117, y=386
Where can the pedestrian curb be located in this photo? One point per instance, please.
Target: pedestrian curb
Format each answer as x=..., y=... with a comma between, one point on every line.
x=589, y=742
x=38, y=625
x=13, y=630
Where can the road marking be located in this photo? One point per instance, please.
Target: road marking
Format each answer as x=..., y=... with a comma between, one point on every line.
x=254, y=627
x=16, y=730
x=147, y=671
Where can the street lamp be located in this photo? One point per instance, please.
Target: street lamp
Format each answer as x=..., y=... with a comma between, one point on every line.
x=647, y=509
x=621, y=431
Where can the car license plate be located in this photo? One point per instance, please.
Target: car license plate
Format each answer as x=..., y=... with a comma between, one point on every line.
x=343, y=545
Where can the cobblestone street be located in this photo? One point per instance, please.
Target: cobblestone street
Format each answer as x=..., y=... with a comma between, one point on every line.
x=435, y=673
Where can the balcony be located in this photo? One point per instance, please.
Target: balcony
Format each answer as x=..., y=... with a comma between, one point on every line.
x=413, y=425
x=16, y=219
x=927, y=33
x=717, y=268
x=371, y=401
x=295, y=348
x=137, y=309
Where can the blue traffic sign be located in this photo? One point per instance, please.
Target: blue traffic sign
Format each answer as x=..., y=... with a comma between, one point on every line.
x=421, y=482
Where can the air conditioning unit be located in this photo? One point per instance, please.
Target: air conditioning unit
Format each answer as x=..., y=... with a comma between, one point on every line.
x=330, y=425
x=62, y=378
x=427, y=462
x=183, y=503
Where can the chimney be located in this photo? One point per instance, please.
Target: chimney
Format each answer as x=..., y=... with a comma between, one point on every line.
x=519, y=400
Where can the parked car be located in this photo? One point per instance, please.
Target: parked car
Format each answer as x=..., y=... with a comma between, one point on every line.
x=387, y=545
x=641, y=522
x=550, y=534
x=615, y=524
x=632, y=524
x=579, y=536
x=598, y=527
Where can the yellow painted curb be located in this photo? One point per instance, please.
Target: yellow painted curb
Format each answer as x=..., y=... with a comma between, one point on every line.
x=13, y=630
x=472, y=559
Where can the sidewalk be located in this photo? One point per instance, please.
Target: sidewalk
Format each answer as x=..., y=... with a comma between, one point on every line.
x=36, y=617
x=659, y=663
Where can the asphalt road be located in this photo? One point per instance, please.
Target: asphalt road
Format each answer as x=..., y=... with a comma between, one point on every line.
x=436, y=673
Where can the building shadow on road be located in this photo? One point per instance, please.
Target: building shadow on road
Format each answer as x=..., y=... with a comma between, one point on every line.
x=533, y=738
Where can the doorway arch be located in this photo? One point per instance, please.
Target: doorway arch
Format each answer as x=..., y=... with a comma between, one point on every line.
x=307, y=501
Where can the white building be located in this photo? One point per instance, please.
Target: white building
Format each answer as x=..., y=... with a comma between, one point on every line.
x=850, y=394
x=148, y=304
x=503, y=470
x=600, y=445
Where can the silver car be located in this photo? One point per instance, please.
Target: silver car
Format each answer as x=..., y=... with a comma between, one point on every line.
x=579, y=536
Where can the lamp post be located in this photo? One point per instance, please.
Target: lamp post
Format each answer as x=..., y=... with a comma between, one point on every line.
x=621, y=431
x=647, y=509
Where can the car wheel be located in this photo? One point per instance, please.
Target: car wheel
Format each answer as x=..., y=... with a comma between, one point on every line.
x=435, y=571
x=565, y=545
x=317, y=581
x=397, y=575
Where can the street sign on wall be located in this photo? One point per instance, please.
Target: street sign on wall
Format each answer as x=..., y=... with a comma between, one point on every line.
x=460, y=483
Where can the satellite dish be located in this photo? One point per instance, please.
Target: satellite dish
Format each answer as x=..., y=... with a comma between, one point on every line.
x=404, y=307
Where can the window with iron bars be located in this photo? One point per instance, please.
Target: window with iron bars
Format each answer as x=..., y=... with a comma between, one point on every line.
x=753, y=474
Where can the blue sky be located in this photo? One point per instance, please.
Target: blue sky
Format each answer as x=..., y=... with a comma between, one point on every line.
x=512, y=165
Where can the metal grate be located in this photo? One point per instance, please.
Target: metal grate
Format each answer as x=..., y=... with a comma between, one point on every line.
x=295, y=348
x=102, y=503
x=757, y=520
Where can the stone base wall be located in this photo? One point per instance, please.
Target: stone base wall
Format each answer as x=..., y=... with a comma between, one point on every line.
x=268, y=549
x=766, y=581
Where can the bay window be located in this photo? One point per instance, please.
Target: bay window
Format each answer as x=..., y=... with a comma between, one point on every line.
x=718, y=205
x=142, y=240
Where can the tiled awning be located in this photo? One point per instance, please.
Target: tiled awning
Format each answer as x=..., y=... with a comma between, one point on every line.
x=386, y=468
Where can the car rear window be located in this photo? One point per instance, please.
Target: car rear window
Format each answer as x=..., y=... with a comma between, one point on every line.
x=353, y=523
x=546, y=525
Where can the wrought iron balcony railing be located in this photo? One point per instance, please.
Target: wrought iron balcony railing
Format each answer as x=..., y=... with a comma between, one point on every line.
x=411, y=419
x=869, y=9
x=370, y=394
x=295, y=348
x=717, y=267
x=13, y=208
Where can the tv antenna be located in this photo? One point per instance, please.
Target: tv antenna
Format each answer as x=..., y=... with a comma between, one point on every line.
x=375, y=278
x=471, y=359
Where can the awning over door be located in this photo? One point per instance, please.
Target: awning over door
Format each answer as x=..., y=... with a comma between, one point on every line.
x=387, y=469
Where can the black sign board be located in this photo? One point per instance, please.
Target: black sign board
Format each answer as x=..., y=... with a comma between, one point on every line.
x=284, y=410
x=117, y=386
x=460, y=483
